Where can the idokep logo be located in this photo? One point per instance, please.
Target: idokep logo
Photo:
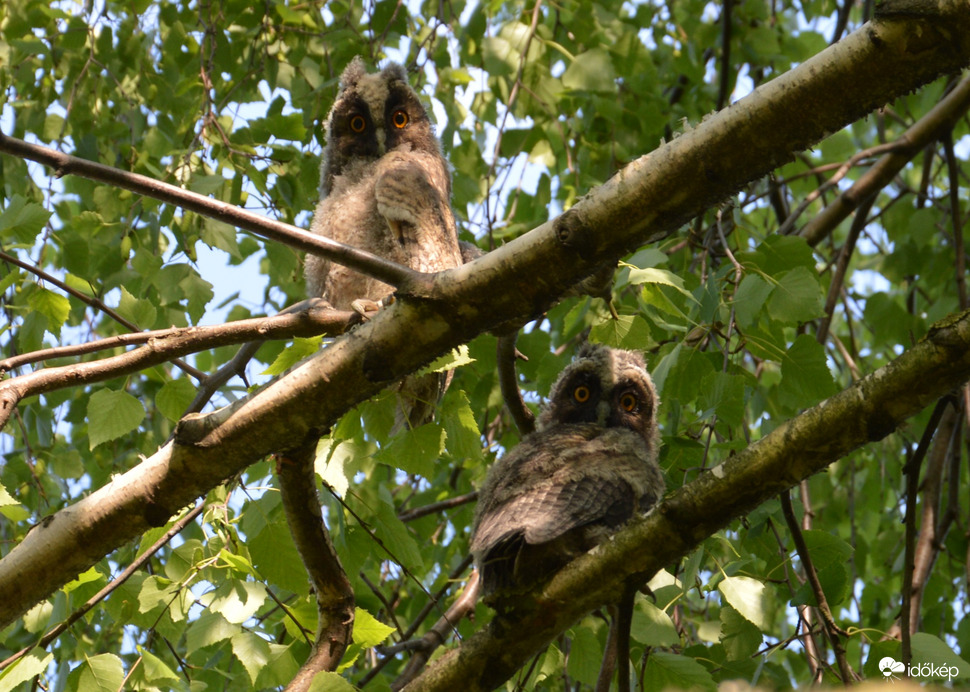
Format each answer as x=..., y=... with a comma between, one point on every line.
x=890, y=668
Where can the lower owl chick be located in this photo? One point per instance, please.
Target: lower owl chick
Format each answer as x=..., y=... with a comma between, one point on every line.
x=590, y=467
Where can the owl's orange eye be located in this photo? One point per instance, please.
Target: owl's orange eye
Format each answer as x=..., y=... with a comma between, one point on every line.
x=357, y=123
x=400, y=119
x=581, y=394
x=628, y=402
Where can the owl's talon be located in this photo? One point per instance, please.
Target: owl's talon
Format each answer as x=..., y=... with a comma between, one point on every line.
x=365, y=308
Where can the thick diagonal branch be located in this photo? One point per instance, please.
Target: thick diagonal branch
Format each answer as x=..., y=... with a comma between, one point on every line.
x=335, y=595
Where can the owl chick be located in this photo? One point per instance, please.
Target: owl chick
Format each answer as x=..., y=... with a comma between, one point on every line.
x=589, y=467
x=385, y=187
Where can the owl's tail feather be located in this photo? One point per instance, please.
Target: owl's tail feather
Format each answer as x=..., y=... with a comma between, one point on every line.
x=417, y=399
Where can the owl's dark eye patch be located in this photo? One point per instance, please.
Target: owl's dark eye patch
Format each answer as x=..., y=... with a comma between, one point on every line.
x=581, y=394
x=357, y=123
x=400, y=119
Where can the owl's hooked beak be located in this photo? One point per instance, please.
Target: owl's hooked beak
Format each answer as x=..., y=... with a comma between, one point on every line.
x=602, y=413
x=397, y=228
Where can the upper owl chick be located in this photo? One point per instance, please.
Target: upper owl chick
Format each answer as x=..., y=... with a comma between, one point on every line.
x=590, y=466
x=385, y=187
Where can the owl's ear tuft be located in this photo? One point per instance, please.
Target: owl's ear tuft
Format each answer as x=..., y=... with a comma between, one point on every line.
x=395, y=71
x=352, y=73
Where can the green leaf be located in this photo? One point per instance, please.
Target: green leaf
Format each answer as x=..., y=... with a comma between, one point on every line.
x=722, y=394
x=747, y=596
x=591, y=71
x=332, y=460
x=10, y=508
x=827, y=548
x=293, y=354
x=101, y=673
x=22, y=221
x=396, y=538
x=217, y=234
x=252, y=651
x=805, y=375
x=830, y=555
x=778, y=254
x=626, y=331
x=25, y=669
x=52, y=305
x=330, y=682
x=797, y=297
x=275, y=556
x=155, y=592
x=585, y=655
x=237, y=600
x=652, y=275
x=749, y=299
x=368, y=630
x=651, y=626
x=464, y=439
x=139, y=311
x=740, y=637
x=87, y=577
x=198, y=293
x=155, y=669
x=415, y=451
x=835, y=582
x=455, y=358
x=667, y=671
x=174, y=398
x=112, y=414
x=210, y=628
x=935, y=661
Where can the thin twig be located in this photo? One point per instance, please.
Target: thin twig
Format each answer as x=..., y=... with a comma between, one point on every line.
x=941, y=118
x=90, y=301
x=418, y=512
x=308, y=322
x=506, y=356
x=911, y=469
x=438, y=634
x=135, y=565
x=358, y=260
x=409, y=644
x=834, y=633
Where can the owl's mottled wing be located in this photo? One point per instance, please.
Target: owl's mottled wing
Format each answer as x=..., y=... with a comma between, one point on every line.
x=550, y=510
x=561, y=479
x=555, y=496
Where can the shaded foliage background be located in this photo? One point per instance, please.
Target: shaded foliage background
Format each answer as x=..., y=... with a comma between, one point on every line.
x=744, y=321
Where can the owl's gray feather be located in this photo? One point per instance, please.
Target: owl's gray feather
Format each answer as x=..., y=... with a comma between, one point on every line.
x=385, y=187
x=585, y=472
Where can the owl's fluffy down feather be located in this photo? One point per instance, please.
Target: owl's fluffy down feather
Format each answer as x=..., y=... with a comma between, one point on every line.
x=564, y=489
x=385, y=188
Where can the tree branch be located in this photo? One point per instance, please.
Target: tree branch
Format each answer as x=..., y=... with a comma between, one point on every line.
x=335, y=595
x=87, y=300
x=358, y=260
x=162, y=346
x=931, y=126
